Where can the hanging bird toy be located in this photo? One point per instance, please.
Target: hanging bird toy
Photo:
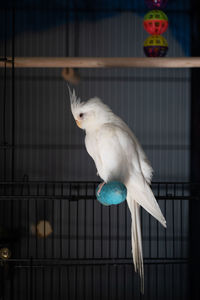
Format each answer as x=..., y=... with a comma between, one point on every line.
x=155, y=22
x=156, y=4
x=111, y=193
x=155, y=46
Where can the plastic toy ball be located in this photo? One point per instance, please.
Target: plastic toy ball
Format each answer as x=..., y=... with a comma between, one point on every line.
x=156, y=4
x=111, y=193
x=155, y=46
x=155, y=22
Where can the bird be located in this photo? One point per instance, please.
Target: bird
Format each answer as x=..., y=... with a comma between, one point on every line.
x=118, y=156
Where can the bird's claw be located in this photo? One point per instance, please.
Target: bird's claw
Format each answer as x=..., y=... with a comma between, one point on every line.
x=100, y=187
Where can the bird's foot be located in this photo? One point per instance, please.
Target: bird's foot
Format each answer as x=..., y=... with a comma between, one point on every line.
x=100, y=187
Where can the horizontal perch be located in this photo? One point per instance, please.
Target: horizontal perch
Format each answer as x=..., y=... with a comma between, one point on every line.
x=102, y=62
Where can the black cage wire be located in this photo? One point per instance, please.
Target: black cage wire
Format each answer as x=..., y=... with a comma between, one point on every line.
x=82, y=249
x=89, y=251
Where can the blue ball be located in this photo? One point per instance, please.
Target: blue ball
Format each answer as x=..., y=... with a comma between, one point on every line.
x=112, y=193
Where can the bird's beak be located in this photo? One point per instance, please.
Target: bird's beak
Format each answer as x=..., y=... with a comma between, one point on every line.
x=78, y=123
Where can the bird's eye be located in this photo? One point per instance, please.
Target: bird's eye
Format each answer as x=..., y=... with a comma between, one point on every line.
x=81, y=115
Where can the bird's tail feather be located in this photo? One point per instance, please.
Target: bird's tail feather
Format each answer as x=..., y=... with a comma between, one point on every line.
x=139, y=193
x=136, y=239
x=144, y=196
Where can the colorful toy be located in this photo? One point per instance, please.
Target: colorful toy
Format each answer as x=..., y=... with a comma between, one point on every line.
x=155, y=22
x=156, y=4
x=111, y=193
x=155, y=46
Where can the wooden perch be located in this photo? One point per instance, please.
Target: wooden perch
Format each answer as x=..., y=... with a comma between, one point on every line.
x=102, y=62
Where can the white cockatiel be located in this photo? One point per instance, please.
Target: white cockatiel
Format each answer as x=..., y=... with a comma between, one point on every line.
x=118, y=157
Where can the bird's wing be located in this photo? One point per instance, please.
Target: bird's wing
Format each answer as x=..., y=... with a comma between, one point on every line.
x=113, y=146
x=121, y=161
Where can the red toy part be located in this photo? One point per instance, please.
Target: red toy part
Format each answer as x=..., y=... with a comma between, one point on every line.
x=155, y=26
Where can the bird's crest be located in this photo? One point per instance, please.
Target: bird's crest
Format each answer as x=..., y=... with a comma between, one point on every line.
x=75, y=102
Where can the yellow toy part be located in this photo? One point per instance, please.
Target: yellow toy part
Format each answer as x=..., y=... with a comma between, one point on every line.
x=155, y=40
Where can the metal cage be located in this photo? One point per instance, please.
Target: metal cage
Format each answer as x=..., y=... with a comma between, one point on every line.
x=56, y=239
x=88, y=253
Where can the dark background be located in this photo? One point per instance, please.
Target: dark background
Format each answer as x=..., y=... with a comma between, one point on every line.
x=88, y=255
